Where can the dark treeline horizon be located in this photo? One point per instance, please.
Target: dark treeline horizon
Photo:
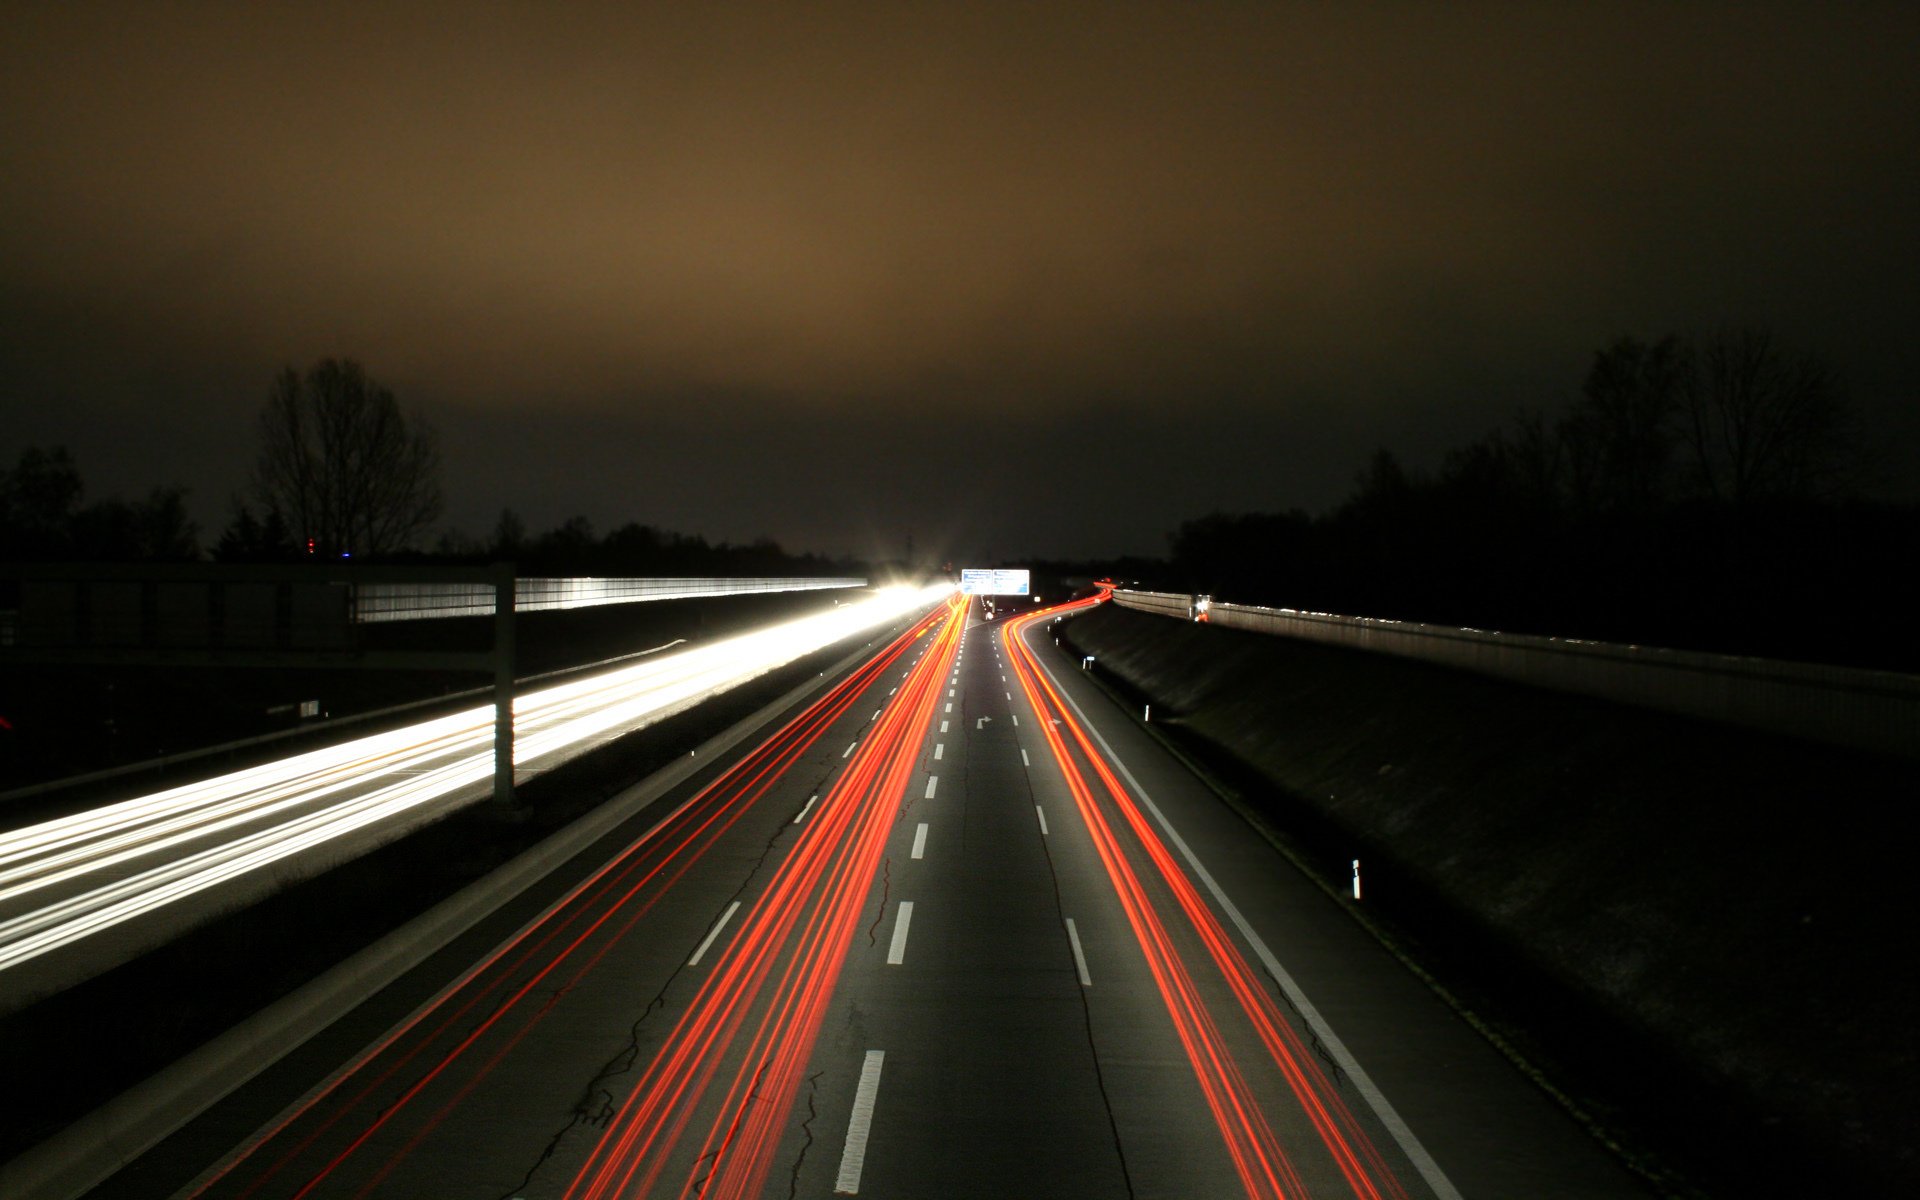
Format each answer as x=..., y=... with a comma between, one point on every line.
x=1707, y=492
x=1697, y=494
x=43, y=520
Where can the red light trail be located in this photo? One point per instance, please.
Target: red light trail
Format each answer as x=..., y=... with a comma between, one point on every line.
x=353, y=1132
x=1265, y=1167
x=800, y=928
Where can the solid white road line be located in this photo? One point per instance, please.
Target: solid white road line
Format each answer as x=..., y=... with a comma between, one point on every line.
x=1024, y=760
x=850, y=746
x=933, y=781
x=714, y=933
x=903, y=918
x=1042, y=814
x=1403, y=1134
x=939, y=750
x=920, y=840
x=1079, y=958
x=854, y=1156
x=808, y=806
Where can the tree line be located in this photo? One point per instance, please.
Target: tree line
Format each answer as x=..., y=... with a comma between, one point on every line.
x=341, y=471
x=1697, y=492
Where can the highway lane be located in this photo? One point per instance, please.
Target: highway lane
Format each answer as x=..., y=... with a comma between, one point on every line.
x=1030, y=1035
x=898, y=1005
x=680, y=962
x=82, y=893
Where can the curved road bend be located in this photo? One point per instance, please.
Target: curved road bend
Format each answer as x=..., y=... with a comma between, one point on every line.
x=959, y=928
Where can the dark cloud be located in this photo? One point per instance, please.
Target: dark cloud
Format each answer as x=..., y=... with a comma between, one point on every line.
x=870, y=264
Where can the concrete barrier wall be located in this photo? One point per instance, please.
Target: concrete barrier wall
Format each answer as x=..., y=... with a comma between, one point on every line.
x=1868, y=710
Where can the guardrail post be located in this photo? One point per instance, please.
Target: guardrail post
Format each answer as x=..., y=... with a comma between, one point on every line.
x=503, y=587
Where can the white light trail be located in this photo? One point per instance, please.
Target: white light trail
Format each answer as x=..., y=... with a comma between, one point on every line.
x=64, y=880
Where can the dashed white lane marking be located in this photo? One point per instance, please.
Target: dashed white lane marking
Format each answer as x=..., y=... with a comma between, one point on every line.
x=939, y=750
x=1016, y=719
x=893, y=689
x=850, y=746
x=1024, y=760
x=933, y=781
x=1042, y=814
x=949, y=691
x=943, y=727
x=714, y=933
x=920, y=840
x=808, y=806
x=854, y=1156
x=949, y=707
x=1009, y=695
x=902, y=920
x=1383, y=1108
x=1079, y=957
x=875, y=716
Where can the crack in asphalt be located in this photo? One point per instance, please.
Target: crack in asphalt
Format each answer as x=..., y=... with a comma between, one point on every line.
x=596, y=1106
x=806, y=1134
x=886, y=890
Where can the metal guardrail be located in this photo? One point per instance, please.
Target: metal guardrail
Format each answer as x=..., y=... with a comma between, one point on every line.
x=1843, y=706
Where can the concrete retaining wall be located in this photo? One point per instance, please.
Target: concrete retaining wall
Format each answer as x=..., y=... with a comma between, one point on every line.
x=1867, y=710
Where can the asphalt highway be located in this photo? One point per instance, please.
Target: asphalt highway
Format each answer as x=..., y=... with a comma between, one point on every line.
x=85, y=892
x=957, y=928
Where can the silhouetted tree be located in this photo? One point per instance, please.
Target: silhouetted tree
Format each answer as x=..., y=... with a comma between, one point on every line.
x=343, y=463
x=509, y=538
x=1765, y=425
x=156, y=529
x=250, y=539
x=1619, y=437
x=38, y=499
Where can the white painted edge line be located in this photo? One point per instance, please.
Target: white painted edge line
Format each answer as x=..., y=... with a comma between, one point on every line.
x=806, y=808
x=854, y=1155
x=933, y=781
x=1042, y=814
x=1079, y=957
x=850, y=746
x=1408, y=1141
x=902, y=920
x=1024, y=760
x=939, y=750
x=920, y=840
x=714, y=933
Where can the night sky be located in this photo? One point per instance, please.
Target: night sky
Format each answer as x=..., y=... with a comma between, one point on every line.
x=1020, y=279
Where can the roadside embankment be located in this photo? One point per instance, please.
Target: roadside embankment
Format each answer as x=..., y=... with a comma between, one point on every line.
x=1701, y=935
